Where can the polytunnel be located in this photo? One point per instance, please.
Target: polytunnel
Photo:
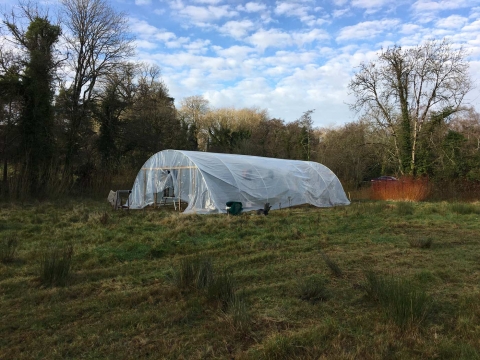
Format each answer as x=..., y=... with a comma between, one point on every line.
x=207, y=181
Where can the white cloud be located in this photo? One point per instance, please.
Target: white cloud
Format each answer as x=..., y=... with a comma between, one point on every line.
x=277, y=71
x=321, y=87
x=369, y=4
x=340, y=12
x=442, y=5
x=191, y=61
x=302, y=38
x=373, y=6
x=210, y=2
x=263, y=39
x=289, y=59
x=143, y=2
x=474, y=13
x=291, y=9
x=367, y=29
x=146, y=32
x=269, y=38
x=451, y=22
x=473, y=26
x=237, y=52
x=147, y=35
x=165, y=36
x=255, y=92
x=237, y=29
x=252, y=7
x=142, y=28
x=177, y=42
x=145, y=44
x=314, y=21
x=410, y=28
x=202, y=15
x=197, y=46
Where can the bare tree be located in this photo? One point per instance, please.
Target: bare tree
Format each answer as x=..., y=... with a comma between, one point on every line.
x=468, y=123
x=192, y=112
x=350, y=153
x=193, y=108
x=404, y=89
x=97, y=39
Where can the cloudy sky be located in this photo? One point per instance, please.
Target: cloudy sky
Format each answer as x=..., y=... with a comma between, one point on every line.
x=288, y=56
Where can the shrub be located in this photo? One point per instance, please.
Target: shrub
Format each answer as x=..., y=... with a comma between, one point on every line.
x=222, y=289
x=421, y=243
x=205, y=273
x=333, y=266
x=374, y=285
x=198, y=273
x=314, y=289
x=56, y=265
x=406, y=305
x=238, y=310
x=194, y=273
x=8, y=249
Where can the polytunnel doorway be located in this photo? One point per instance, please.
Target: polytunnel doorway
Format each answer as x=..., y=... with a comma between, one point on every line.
x=167, y=189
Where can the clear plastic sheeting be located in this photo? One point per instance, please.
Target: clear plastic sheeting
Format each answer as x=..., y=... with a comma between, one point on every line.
x=207, y=181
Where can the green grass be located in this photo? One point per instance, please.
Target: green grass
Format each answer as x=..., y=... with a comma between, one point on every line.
x=262, y=287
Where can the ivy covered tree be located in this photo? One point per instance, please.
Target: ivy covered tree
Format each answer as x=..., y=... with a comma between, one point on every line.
x=36, y=120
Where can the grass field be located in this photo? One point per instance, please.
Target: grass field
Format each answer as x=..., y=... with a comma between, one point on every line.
x=374, y=280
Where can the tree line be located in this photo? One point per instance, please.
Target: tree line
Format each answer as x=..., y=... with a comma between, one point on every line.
x=78, y=114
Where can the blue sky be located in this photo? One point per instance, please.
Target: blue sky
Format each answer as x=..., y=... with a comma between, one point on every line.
x=288, y=56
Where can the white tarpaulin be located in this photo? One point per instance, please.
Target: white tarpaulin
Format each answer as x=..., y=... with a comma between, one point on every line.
x=207, y=181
